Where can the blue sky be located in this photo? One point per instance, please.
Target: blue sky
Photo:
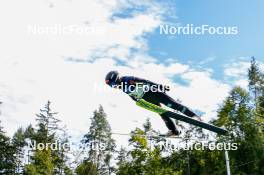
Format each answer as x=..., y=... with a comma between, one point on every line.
x=248, y=16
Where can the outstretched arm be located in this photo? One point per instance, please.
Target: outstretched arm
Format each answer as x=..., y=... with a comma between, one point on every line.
x=144, y=81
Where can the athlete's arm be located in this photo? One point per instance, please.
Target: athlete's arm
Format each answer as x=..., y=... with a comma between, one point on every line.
x=144, y=81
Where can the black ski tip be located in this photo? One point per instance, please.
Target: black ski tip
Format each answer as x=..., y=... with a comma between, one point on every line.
x=222, y=131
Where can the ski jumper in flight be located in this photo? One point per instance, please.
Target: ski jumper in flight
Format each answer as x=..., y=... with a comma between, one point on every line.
x=154, y=93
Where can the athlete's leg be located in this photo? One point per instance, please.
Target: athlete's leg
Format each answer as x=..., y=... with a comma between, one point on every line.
x=170, y=102
x=152, y=98
x=170, y=125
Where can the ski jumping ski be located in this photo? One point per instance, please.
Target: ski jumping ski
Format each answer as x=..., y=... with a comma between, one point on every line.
x=163, y=112
x=149, y=135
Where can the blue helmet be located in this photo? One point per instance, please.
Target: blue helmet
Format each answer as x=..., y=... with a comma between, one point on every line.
x=112, y=78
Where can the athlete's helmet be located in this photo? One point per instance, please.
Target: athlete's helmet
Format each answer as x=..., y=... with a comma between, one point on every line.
x=111, y=78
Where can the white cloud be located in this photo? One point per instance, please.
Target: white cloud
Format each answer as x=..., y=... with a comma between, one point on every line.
x=207, y=60
x=237, y=69
x=204, y=93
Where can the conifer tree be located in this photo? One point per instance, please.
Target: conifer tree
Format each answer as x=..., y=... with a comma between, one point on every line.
x=254, y=77
x=7, y=151
x=236, y=115
x=256, y=87
x=86, y=168
x=19, y=143
x=47, y=160
x=122, y=157
x=99, y=139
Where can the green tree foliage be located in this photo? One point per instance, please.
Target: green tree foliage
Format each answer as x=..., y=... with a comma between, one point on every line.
x=19, y=143
x=122, y=157
x=7, y=152
x=255, y=78
x=47, y=161
x=42, y=163
x=99, y=139
x=10, y=162
x=256, y=88
x=47, y=124
x=141, y=158
x=60, y=157
x=236, y=115
x=87, y=168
